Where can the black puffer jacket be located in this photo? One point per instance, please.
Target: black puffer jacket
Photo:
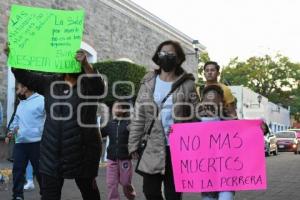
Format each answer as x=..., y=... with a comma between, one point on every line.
x=68, y=149
x=118, y=135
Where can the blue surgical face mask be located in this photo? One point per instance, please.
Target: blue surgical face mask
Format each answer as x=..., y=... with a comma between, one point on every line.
x=210, y=119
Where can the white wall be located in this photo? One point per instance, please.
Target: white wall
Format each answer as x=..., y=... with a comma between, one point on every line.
x=279, y=117
x=248, y=107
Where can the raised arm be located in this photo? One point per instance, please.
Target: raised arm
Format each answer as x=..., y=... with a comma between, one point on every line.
x=92, y=80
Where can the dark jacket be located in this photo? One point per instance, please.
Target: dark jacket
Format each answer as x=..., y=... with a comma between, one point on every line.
x=118, y=135
x=68, y=149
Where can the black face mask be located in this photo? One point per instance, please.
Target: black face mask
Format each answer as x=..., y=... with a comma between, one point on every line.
x=167, y=63
x=21, y=96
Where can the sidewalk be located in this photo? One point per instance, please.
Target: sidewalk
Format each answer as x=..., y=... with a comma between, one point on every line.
x=5, y=176
x=5, y=164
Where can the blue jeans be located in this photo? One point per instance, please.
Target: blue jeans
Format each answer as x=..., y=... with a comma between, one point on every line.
x=218, y=196
x=29, y=172
x=24, y=152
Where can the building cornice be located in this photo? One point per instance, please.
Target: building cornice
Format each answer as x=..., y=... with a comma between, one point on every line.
x=140, y=14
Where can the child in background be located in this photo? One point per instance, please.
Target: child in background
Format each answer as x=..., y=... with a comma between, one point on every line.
x=119, y=165
x=211, y=110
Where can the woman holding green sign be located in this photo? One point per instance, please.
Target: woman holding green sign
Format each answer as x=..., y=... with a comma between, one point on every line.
x=70, y=146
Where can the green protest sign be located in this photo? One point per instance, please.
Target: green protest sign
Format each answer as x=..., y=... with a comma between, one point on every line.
x=44, y=39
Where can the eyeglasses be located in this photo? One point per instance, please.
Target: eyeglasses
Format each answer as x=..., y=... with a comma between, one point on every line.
x=168, y=54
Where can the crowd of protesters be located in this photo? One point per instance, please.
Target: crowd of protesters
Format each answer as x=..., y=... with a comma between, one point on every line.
x=59, y=146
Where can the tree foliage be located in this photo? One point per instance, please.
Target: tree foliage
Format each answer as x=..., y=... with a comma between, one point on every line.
x=276, y=78
x=203, y=58
x=120, y=71
x=295, y=101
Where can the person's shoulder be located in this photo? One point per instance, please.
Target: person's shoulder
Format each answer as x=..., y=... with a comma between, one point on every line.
x=148, y=76
x=39, y=97
x=229, y=98
x=224, y=87
x=37, y=100
x=188, y=79
x=107, y=125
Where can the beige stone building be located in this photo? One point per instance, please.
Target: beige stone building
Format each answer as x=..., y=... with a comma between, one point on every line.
x=114, y=29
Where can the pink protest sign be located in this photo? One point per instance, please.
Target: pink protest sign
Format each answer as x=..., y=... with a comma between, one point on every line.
x=218, y=156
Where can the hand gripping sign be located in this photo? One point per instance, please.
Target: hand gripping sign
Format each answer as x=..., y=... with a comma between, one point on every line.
x=218, y=156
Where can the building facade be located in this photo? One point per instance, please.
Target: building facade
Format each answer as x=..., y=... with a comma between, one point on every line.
x=251, y=105
x=114, y=29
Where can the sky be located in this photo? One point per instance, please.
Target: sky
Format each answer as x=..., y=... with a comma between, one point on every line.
x=235, y=28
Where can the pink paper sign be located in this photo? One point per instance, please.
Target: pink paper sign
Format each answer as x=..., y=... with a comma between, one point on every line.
x=218, y=156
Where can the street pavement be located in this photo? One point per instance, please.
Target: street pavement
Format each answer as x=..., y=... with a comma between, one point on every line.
x=283, y=173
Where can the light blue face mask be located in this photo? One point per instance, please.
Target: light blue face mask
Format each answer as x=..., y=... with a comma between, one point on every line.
x=210, y=119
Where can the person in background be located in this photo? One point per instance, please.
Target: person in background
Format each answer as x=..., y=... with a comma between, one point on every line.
x=26, y=128
x=211, y=110
x=119, y=165
x=211, y=74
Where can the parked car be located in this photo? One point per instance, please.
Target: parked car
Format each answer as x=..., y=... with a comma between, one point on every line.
x=297, y=132
x=271, y=145
x=298, y=137
x=294, y=129
x=288, y=141
x=270, y=141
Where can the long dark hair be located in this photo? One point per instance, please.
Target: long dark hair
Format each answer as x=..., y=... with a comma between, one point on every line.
x=179, y=52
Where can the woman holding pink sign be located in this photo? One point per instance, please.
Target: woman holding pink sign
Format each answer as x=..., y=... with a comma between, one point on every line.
x=166, y=96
